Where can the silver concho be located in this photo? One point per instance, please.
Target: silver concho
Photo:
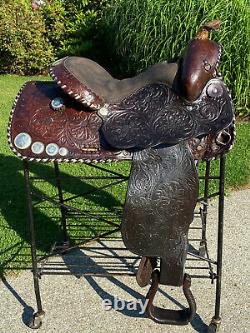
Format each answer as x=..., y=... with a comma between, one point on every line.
x=208, y=67
x=103, y=112
x=124, y=154
x=52, y=149
x=63, y=151
x=57, y=104
x=88, y=97
x=22, y=140
x=37, y=147
x=214, y=90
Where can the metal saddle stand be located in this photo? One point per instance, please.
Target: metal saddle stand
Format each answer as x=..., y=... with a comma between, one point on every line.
x=164, y=120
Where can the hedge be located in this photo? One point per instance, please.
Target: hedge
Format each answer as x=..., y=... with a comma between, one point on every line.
x=126, y=36
x=30, y=39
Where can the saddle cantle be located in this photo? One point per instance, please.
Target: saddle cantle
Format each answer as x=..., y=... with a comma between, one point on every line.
x=163, y=119
x=57, y=120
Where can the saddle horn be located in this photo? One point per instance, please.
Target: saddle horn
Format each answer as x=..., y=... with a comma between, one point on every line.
x=200, y=62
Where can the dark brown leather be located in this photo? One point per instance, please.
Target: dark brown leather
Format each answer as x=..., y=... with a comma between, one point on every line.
x=213, y=145
x=162, y=193
x=145, y=270
x=156, y=115
x=199, y=65
x=92, y=85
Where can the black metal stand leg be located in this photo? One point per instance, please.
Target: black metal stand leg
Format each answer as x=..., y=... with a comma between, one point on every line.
x=36, y=320
x=62, y=208
x=216, y=320
x=203, y=245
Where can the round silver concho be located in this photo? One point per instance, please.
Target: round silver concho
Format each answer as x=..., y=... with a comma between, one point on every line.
x=88, y=97
x=37, y=147
x=22, y=140
x=57, y=104
x=103, y=112
x=52, y=149
x=214, y=90
x=63, y=151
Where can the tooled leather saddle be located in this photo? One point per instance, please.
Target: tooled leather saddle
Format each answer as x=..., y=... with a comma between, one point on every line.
x=163, y=119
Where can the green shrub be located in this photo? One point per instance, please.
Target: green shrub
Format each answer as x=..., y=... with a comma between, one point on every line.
x=125, y=36
x=24, y=45
x=31, y=39
x=140, y=33
x=53, y=14
x=81, y=20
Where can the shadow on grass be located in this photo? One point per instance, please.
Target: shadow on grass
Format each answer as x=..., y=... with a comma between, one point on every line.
x=13, y=206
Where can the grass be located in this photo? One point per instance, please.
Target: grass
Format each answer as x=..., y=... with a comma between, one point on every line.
x=141, y=33
x=14, y=239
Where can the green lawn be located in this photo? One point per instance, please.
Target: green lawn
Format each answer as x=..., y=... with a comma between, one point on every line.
x=14, y=240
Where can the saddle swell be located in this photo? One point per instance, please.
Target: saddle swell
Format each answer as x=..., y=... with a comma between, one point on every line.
x=156, y=115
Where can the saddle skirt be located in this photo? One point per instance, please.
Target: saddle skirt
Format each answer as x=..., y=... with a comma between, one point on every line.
x=49, y=122
x=70, y=133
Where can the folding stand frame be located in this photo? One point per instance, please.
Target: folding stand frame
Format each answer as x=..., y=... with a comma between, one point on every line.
x=41, y=266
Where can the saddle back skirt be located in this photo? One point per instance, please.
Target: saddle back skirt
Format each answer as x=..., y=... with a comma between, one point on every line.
x=39, y=132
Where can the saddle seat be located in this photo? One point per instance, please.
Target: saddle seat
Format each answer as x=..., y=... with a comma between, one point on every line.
x=89, y=83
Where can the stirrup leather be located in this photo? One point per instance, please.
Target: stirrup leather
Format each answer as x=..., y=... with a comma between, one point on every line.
x=145, y=270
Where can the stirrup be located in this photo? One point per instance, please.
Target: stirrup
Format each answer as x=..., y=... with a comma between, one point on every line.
x=145, y=270
x=171, y=317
